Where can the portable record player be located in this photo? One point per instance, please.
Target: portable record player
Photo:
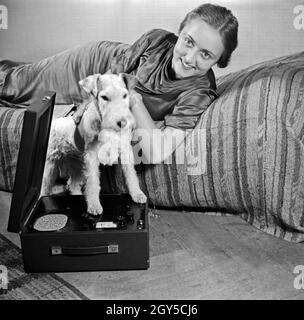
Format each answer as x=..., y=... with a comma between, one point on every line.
x=57, y=235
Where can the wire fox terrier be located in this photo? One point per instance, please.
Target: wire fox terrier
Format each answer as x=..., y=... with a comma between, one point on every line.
x=100, y=131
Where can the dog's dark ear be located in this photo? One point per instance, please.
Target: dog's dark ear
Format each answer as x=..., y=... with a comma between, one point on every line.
x=91, y=84
x=77, y=115
x=129, y=80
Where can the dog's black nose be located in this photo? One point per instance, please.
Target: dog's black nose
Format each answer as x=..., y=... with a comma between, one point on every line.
x=121, y=123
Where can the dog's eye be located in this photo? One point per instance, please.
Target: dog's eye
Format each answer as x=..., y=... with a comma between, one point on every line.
x=125, y=96
x=105, y=98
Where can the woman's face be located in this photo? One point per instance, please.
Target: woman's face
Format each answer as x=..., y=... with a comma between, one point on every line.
x=198, y=48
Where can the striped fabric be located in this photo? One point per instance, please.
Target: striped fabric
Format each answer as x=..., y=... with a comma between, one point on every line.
x=251, y=162
x=11, y=121
x=245, y=156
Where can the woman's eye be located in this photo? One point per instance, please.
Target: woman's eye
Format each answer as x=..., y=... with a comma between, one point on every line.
x=105, y=98
x=188, y=42
x=205, y=55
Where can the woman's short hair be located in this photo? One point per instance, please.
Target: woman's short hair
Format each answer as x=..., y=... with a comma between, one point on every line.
x=221, y=19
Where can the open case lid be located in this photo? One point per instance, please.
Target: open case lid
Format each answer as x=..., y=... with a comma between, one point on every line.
x=31, y=158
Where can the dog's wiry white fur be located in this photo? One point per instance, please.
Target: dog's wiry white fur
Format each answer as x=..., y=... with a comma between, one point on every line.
x=106, y=134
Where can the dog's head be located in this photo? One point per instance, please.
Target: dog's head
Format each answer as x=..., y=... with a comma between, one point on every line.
x=111, y=95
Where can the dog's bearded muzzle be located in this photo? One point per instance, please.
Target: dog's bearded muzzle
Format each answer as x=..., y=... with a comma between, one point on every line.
x=119, y=122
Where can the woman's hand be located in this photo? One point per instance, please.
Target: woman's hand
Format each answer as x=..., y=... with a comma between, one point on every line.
x=157, y=145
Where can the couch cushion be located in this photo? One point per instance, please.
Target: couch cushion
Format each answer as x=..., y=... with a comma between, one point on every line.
x=255, y=151
x=250, y=150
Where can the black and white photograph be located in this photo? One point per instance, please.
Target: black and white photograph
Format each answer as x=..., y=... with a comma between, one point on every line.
x=151, y=153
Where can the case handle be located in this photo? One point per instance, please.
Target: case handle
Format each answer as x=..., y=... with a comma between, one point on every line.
x=81, y=251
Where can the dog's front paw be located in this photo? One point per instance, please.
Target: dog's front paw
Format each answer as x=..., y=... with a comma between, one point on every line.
x=94, y=209
x=139, y=197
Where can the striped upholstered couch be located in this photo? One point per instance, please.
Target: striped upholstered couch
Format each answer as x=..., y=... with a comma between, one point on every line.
x=245, y=156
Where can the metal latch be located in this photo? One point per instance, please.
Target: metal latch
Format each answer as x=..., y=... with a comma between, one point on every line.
x=46, y=98
x=56, y=251
x=113, y=248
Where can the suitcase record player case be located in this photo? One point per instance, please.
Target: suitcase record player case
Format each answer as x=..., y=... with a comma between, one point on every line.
x=118, y=240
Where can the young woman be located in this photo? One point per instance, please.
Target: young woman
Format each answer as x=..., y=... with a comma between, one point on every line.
x=175, y=80
x=175, y=84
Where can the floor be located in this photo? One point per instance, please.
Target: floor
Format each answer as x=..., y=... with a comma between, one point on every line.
x=196, y=256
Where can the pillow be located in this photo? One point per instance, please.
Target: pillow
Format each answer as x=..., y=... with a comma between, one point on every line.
x=255, y=151
x=246, y=154
x=61, y=73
